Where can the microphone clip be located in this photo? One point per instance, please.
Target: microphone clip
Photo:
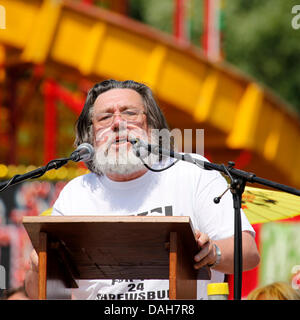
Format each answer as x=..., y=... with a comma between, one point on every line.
x=231, y=186
x=84, y=152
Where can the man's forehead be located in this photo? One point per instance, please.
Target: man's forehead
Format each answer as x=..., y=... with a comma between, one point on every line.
x=118, y=98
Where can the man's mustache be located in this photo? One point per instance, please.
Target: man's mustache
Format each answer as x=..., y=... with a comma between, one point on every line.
x=113, y=137
x=108, y=138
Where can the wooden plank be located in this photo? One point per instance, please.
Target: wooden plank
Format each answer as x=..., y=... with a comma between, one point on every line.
x=182, y=278
x=173, y=265
x=42, y=254
x=110, y=247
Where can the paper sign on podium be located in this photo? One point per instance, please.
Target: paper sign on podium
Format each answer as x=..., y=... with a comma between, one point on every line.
x=114, y=247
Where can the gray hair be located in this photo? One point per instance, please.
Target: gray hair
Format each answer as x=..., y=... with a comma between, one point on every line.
x=84, y=128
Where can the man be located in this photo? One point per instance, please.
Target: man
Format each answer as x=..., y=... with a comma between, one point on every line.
x=119, y=184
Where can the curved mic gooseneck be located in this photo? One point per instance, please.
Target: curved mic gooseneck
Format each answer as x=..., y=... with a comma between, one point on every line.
x=84, y=152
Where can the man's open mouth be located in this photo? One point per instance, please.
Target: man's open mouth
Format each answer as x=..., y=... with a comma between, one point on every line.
x=120, y=140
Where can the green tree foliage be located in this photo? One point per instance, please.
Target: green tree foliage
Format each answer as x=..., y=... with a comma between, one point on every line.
x=160, y=14
x=258, y=37
x=260, y=40
x=157, y=13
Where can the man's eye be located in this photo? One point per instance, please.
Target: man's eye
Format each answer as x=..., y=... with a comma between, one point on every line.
x=129, y=112
x=104, y=117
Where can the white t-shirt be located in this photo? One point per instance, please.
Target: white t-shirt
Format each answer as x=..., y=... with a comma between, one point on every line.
x=182, y=190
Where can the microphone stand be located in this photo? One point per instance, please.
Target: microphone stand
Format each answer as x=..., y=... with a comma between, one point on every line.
x=84, y=152
x=53, y=164
x=238, y=180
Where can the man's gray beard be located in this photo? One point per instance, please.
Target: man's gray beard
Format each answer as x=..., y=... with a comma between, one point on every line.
x=124, y=162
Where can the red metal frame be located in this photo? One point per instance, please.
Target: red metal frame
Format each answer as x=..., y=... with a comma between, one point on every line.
x=53, y=93
x=179, y=20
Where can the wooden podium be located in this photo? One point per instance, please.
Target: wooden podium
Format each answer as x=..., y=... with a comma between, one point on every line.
x=114, y=247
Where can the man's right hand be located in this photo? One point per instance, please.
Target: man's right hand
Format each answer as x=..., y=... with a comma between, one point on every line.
x=32, y=277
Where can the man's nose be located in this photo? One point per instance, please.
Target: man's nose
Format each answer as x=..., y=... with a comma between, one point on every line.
x=118, y=123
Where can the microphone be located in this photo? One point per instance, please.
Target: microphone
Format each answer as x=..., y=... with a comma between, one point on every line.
x=83, y=152
x=140, y=147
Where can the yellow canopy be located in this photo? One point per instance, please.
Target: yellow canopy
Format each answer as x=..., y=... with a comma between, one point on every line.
x=261, y=205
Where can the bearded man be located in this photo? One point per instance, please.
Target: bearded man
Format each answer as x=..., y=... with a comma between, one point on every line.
x=119, y=184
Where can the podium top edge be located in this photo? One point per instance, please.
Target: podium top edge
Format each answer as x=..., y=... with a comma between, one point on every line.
x=97, y=219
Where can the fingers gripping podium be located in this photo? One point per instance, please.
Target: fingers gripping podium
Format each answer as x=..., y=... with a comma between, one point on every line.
x=114, y=247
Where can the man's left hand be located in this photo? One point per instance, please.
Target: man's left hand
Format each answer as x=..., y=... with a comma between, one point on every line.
x=207, y=254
